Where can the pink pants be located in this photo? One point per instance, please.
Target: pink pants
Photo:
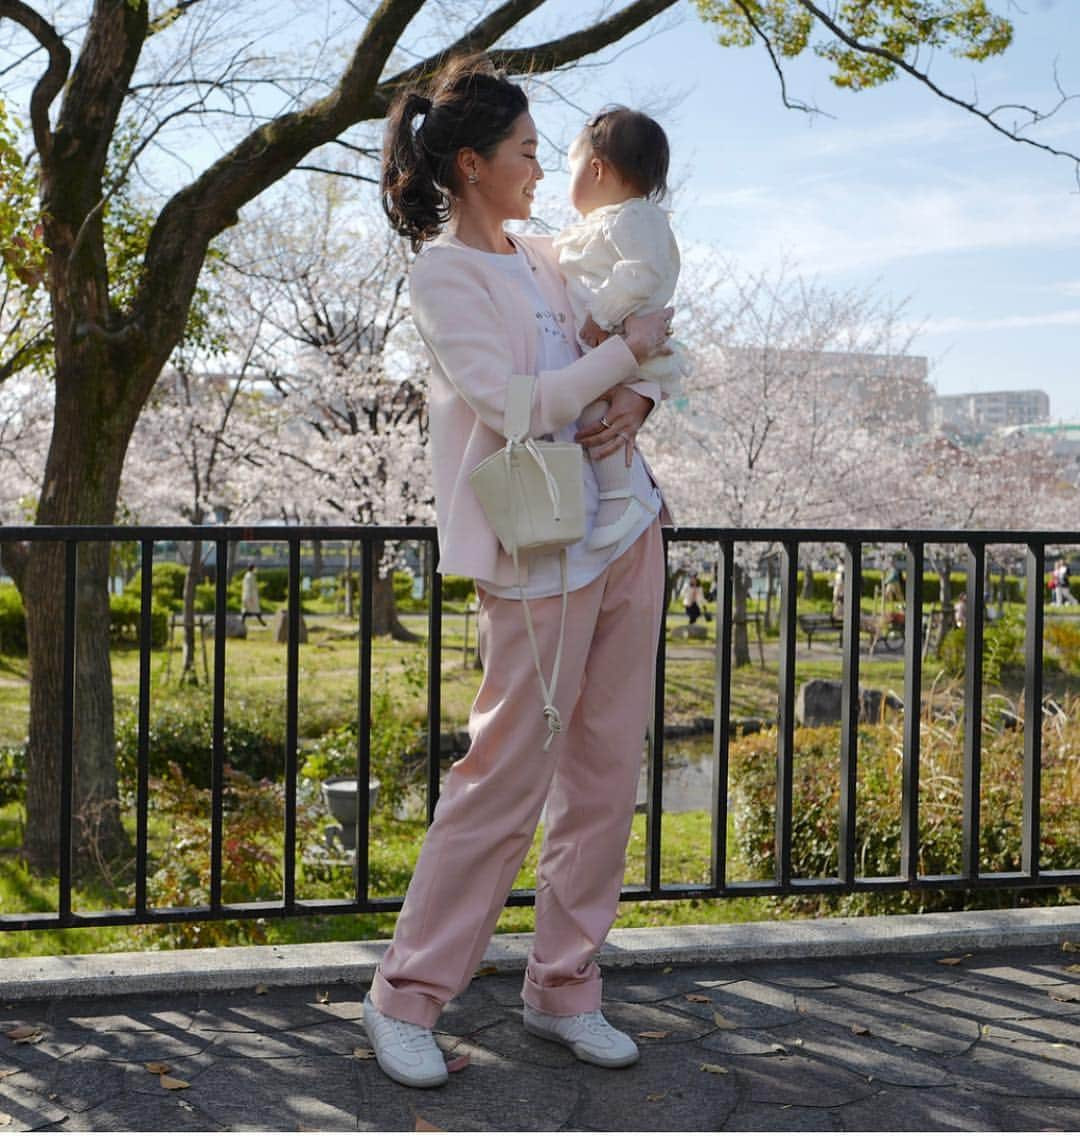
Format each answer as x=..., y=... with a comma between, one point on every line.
x=492, y=799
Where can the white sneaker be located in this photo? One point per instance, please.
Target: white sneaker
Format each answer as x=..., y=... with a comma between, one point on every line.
x=406, y=1052
x=588, y=1035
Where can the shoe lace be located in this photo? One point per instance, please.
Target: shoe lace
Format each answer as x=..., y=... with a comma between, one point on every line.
x=412, y=1037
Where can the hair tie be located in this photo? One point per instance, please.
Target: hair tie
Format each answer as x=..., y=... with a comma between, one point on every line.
x=421, y=106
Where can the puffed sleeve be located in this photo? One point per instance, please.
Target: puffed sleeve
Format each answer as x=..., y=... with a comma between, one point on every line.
x=468, y=336
x=640, y=235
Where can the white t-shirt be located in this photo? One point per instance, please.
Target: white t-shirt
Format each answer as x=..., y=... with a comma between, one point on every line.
x=554, y=350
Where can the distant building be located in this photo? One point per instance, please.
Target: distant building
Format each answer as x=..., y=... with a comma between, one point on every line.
x=1063, y=440
x=878, y=388
x=976, y=413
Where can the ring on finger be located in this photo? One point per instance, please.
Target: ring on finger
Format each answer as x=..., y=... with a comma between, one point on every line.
x=604, y=421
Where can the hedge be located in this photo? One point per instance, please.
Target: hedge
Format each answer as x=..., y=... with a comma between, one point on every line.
x=816, y=812
x=182, y=733
x=125, y=619
x=12, y=622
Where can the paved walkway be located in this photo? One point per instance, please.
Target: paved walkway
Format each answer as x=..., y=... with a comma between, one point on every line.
x=978, y=1040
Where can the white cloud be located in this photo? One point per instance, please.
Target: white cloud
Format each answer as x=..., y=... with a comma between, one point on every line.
x=843, y=227
x=950, y=325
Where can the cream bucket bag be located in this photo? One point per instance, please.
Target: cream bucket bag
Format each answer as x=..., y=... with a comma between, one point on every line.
x=533, y=493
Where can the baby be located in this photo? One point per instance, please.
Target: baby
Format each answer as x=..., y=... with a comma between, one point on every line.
x=621, y=258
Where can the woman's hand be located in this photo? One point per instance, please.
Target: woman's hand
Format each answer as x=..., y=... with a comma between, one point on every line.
x=646, y=334
x=592, y=333
x=627, y=411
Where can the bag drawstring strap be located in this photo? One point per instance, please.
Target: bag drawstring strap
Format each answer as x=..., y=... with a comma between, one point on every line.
x=537, y=455
x=551, y=711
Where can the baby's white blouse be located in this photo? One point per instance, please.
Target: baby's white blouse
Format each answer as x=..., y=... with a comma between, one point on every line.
x=621, y=259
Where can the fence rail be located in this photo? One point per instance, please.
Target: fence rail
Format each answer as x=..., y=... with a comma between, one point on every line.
x=718, y=546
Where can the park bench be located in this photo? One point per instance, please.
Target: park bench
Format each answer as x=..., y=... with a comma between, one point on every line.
x=812, y=623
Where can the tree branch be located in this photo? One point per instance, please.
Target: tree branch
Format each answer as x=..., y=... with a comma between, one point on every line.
x=924, y=78
x=195, y=215
x=169, y=16
x=50, y=84
x=763, y=36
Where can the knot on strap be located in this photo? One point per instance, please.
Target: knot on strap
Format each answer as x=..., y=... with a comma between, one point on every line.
x=554, y=723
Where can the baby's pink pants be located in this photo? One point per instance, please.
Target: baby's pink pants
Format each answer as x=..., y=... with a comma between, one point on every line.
x=492, y=798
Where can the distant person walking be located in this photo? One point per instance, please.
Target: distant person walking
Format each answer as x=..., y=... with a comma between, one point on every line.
x=249, y=597
x=1062, y=593
x=693, y=599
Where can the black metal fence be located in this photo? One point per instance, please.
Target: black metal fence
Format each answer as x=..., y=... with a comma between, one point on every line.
x=718, y=548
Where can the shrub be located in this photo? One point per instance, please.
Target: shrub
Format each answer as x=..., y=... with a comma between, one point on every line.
x=182, y=734
x=125, y=621
x=1003, y=649
x=816, y=805
x=251, y=852
x=166, y=585
x=12, y=622
x=396, y=740
x=12, y=775
x=1065, y=638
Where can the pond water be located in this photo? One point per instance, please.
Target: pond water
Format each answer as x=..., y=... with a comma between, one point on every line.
x=688, y=775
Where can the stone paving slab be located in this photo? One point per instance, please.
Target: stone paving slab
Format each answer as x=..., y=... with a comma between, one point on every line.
x=881, y=1043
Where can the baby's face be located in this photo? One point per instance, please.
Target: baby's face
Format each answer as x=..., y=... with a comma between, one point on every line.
x=585, y=184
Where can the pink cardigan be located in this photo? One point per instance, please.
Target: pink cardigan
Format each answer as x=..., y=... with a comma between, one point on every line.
x=479, y=330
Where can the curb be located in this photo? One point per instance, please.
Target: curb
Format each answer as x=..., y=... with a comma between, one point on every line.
x=205, y=970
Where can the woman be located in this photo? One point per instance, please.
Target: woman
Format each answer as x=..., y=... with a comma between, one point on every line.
x=458, y=165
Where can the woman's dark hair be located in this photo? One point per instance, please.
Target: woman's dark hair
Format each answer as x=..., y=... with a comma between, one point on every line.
x=635, y=145
x=468, y=104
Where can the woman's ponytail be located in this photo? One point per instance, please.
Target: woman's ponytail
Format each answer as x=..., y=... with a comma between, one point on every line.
x=470, y=105
x=414, y=203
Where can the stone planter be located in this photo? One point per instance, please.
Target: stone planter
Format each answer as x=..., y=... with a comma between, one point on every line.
x=339, y=795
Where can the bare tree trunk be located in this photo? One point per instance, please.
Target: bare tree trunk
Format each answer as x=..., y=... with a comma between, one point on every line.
x=770, y=593
x=189, y=672
x=81, y=481
x=808, y=582
x=384, y=616
x=741, y=636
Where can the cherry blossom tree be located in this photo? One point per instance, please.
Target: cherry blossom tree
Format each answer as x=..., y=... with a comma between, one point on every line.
x=792, y=397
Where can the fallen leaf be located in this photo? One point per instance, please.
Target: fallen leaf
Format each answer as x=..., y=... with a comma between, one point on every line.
x=699, y=998
x=952, y=960
x=1065, y=998
x=5, y=1119
x=423, y=1125
x=484, y=971
x=1070, y=946
x=22, y=1032
x=656, y=1097
x=5, y=1072
x=261, y=990
x=860, y=1030
x=456, y=1063
x=364, y=1053
x=714, y=1068
x=666, y=969
x=653, y=1034
x=323, y=998
x=1072, y=968
x=172, y=1084
x=158, y=1067
x=722, y=1021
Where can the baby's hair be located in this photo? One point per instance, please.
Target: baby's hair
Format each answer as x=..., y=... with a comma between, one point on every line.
x=635, y=145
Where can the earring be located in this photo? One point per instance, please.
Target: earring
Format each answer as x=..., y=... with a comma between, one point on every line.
x=473, y=179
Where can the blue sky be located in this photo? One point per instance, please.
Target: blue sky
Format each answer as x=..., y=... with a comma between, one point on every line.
x=893, y=189
x=897, y=190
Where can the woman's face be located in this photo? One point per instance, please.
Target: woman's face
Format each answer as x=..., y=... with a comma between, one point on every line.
x=506, y=180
